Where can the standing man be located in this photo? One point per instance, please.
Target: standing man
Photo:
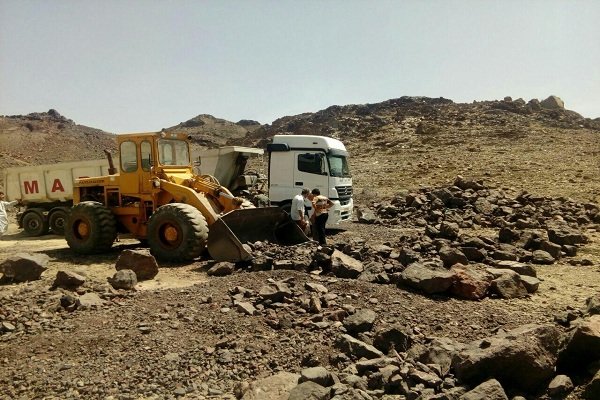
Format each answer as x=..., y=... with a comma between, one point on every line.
x=321, y=204
x=3, y=215
x=297, y=211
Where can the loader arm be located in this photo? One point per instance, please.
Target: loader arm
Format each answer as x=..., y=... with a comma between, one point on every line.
x=198, y=199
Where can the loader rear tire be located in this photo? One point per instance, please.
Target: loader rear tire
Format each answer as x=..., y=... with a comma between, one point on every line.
x=177, y=232
x=90, y=228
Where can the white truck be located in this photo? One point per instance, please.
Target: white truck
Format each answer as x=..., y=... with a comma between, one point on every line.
x=47, y=192
x=295, y=162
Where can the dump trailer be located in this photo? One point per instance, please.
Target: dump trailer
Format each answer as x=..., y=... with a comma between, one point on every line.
x=157, y=197
x=47, y=192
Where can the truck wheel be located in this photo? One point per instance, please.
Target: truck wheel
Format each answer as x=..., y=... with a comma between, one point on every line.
x=34, y=223
x=57, y=220
x=91, y=228
x=177, y=232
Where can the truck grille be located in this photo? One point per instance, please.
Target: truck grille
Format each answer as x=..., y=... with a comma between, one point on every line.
x=344, y=194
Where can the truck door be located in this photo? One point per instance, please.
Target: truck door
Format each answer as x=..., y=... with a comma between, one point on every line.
x=129, y=181
x=311, y=171
x=146, y=164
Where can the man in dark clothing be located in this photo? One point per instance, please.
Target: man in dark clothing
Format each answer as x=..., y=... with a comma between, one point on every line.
x=321, y=205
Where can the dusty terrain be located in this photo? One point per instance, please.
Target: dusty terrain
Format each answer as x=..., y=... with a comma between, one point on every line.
x=179, y=335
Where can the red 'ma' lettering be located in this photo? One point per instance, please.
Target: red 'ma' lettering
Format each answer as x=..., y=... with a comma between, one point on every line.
x=57, y=185
x=31, y=187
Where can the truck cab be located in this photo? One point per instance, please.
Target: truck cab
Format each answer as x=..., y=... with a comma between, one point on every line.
x=306, y=161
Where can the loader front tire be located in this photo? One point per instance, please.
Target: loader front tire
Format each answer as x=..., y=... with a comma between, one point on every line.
x=177, y=232
x=91, y=228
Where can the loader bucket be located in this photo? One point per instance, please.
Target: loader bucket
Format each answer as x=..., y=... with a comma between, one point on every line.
x=228, y=233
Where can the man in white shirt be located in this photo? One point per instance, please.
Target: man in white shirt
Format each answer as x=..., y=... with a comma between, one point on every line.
x=297, y=210
x=3, y=215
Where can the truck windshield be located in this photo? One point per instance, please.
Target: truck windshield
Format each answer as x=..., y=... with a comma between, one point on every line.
x=338, y=166
x=173, y=152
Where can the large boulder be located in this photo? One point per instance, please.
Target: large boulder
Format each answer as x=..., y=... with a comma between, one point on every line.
x=357, y=348
x=318, y=375
x=563, y=235
x=362, y=320
x=344, y=266
x=221, y=269
x=472, y=281
x=440, y=351
x=582, y=345
x=553, y=103
x=507, y=284
x=309, y=391
x=488, y=390
x=519, y=268
x=275, y=291
x=395, y=336
x=275, y=387
x=428, y=277
x=68, y=280
x=542, y=257
x=560, y=386
x=139, y=261
x=24, y=267
x=521, y=359
x=451, y=256
x=123, y=279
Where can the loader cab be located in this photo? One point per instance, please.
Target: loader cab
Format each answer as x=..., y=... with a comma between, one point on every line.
x=137, y=156
x=143, y=156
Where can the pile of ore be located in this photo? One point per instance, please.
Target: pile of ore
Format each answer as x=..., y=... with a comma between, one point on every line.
x=379, y=360
x=439, y=257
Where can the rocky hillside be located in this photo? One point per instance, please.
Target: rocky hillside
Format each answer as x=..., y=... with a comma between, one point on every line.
x=413, y=140
x=395, y=145
x=210, y=132
x=48, y=137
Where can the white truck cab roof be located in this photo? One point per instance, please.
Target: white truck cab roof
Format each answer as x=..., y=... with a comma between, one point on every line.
x=309, y=141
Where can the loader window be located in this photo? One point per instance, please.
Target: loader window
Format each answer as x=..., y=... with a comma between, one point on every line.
x=311, y=163
x=173, y=152
x=146, y=153
x=128, y=157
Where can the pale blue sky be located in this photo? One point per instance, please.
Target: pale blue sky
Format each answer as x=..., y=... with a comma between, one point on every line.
x=131, y=66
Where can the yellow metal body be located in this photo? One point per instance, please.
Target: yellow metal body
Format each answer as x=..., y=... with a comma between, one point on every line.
x=149, y=178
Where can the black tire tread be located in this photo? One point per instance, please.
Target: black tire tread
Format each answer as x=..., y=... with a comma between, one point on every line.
x=37, y=213
x=195, y=232
x=103, y=228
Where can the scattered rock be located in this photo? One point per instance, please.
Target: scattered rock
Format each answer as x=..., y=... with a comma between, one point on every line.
x=68, y=280
x=560, y=386
x=123, y=279
x=362, y=320
x=344, y=266
x=140, y=261
x=24, y=267
x=221, y=269
x=523, y=358
x=428, y=277
x=488, y=390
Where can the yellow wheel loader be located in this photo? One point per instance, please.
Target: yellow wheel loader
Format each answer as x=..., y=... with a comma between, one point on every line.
x=157, y=198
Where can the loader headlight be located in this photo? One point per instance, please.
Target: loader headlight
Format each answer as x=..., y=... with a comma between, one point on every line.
x=156, y=183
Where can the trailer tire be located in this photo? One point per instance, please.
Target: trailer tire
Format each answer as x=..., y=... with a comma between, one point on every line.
x=35, y=223
x=91, y=228
x=177, y=232
x=58, y=220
